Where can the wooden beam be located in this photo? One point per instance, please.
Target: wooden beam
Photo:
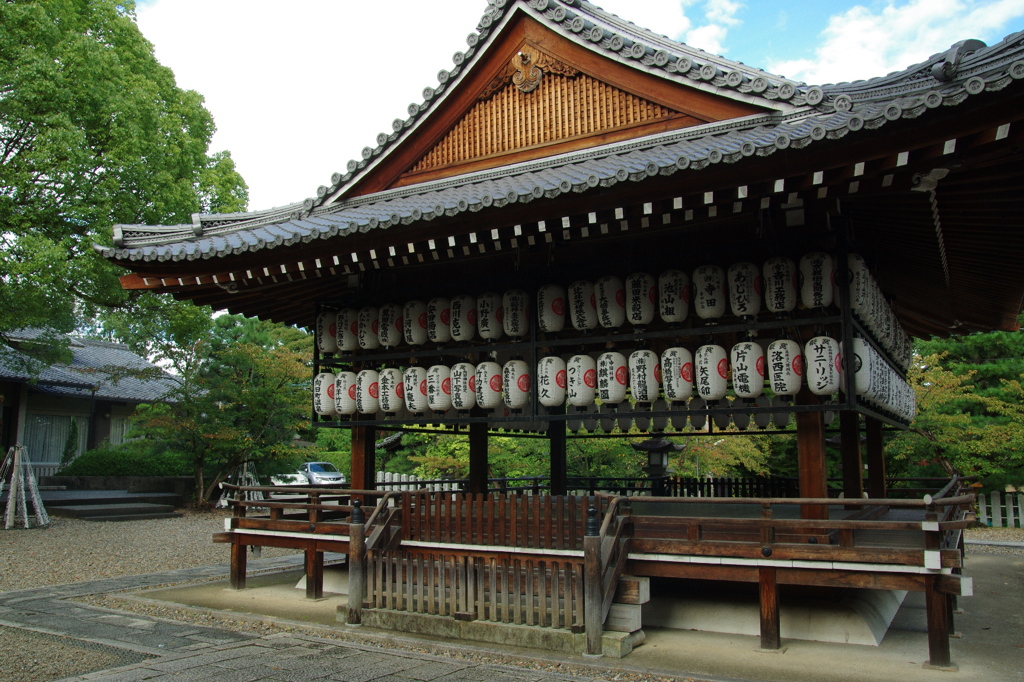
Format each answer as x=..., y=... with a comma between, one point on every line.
x=810, y=445
x=769, y=598
x=936, y=609
x=364, y=459
x=238, y=557
x=853, y=465
x=478, y=464
x=559, y=471
x=314, y=572
x=876, y=458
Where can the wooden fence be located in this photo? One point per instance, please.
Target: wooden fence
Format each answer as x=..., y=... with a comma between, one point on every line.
x=995, y=510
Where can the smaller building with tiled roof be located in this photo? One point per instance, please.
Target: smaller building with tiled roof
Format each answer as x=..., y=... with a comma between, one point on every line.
x=97, y=390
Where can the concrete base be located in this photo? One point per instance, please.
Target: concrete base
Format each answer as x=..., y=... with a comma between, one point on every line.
x=613, y=644
x=858, y=617
x=335, y=580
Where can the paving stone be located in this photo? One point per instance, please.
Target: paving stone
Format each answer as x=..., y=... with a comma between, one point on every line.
x=431, y=671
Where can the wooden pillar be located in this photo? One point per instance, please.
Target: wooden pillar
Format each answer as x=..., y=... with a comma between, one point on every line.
x=593, y=593
x=770, y=638
x=238, y=557
x=853, y=464
x=314, y=572
x=937, y=609
x=876, y=459
x=559, y=469
x=810, y=445
x=356, y=568
x=364, y=458
x=478, y=458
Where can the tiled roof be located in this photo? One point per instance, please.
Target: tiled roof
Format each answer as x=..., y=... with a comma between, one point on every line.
x=98, y=366
x=810, y=115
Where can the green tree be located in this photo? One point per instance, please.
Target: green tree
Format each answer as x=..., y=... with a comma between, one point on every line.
x=93, y=132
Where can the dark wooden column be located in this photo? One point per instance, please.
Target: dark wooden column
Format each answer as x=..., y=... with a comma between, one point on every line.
x=559, y=470
x=937, y=609
x=810, y=445
x=364, y=458
x=769, y=593
x=876, y=459
x=853, y=464
x=478, y=465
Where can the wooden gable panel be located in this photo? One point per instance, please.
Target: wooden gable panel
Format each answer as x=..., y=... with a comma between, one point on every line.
x=562, y=107
x=583, y=99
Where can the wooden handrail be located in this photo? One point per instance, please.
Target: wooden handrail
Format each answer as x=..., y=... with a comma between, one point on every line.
x=826, y=501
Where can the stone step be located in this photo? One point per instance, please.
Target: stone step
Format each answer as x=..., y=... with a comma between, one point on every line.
x=133, y=517
x=133, y=509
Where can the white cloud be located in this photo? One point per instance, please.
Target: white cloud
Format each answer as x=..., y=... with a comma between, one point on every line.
x=863, y=43
x=662, y=16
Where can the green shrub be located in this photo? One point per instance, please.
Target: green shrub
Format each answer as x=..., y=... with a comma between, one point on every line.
x=134, y=458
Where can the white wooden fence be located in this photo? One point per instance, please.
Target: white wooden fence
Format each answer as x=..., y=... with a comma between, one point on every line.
x=414, y=482
x=999, y=511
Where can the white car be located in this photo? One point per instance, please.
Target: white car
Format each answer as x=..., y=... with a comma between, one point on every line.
x=322, y=473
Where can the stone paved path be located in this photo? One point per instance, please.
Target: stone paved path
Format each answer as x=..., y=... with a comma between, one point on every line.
x=183, y=651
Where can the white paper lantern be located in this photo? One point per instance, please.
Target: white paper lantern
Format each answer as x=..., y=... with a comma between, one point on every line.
x=515, y=384
x=414, y=317
x=582, y=305
x=785, y=367
x=641, y=418
x=780, y=285
x=611, y=302
x=327, y=331
x=709, y=292
x=762, y=420
x=674, y=296
x=323, y=394
x=489, y=316
x=659, y=423
x=590, y=421
x=624, y=420
x=582, y=374
x=551, y=308
x=575, y=422
x=488, y=385
x=747, y=369
x=721, y=417
x=644, y=375
x=551, y=381
x=367, y=392
x=861, y=362
x=697, y=419
x=439, y=320
x=348, y=329
x=860, y=286
x=745, y=289
x=392, y=390
x=439, y=388
x=415, y=388
x=641, y=298
x=677, y=371
x=781, y=417
x=368, y=324
x=391, y=329
x=612, y=377
x=607, y=420
x=463, y=386
x=822, y=356
x=742, y=421
x=712, y=365
x=516, y=322
x=817, y=280
x=345, y=393
x=463, y=318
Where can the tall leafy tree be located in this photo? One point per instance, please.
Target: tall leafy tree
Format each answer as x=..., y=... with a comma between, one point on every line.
x=93, y=132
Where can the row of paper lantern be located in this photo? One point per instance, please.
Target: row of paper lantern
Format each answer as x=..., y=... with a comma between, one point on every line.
x=879, y=385
x=608, y=302
x=873, y=310
x=583, y=379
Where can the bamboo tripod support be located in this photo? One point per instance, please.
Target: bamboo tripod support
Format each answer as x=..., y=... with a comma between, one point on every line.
x=16, y=463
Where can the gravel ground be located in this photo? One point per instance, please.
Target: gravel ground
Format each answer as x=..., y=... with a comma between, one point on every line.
x=71, y=550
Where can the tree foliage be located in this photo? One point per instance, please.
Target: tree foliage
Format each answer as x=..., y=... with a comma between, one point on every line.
x=241, y=394
x=93, y=132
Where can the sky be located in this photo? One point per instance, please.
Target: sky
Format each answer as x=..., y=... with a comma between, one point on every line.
x=298, y=88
